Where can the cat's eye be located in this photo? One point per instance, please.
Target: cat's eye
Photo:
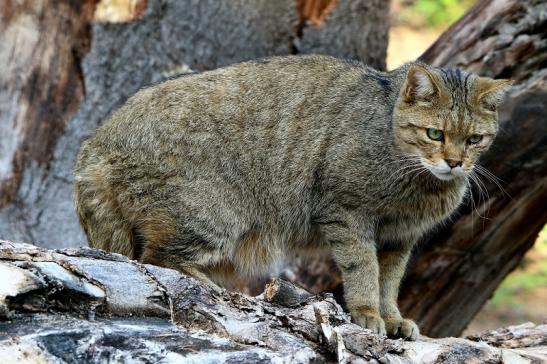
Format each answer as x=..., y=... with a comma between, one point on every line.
x=474, y=139
x=435, y=134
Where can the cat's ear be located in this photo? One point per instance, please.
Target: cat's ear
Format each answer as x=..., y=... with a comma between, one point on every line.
x=490, y=92
x=420, y=85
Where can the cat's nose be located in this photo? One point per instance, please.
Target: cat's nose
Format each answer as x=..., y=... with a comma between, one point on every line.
x=452, y=163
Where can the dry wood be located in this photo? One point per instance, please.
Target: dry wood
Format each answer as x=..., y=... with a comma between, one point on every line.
x=83, y=305
x=42, y=44
x=285, y=293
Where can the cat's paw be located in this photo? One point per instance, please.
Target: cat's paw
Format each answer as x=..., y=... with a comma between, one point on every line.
x=403, y=328
x=370, y=321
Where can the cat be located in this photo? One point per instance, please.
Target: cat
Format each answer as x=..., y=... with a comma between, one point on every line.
x=225, y=172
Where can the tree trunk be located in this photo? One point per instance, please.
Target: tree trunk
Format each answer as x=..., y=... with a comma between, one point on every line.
x=55, y=98
x=84, y=305
x=41, y=86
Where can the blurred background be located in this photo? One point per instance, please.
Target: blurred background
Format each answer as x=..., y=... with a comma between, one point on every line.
x=522, y=296
x=416, y=24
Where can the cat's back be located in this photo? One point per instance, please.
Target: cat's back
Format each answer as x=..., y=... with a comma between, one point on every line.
x=278, y=111
x=253, y=92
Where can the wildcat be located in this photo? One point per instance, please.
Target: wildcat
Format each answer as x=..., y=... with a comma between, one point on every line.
x=227, y=171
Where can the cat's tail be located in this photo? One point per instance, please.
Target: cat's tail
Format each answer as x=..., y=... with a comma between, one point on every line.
x=98, y=209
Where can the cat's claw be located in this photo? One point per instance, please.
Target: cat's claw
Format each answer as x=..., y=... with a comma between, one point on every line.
x=372, y=322
x=403, y=328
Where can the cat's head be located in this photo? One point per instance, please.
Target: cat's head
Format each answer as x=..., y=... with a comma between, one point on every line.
x=446, y=118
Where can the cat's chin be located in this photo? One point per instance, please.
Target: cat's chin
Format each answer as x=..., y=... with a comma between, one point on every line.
x=444, y=176
x=447, y=176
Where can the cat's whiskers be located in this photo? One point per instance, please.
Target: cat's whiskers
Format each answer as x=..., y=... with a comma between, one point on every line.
x=491, y=177
x=480, y=186
x=423, y=170
x=483, y=186
x=417, y=164
x=399, y=161
x=407, y=158
x=415, y=167
x=486, y=197
x=473, y=206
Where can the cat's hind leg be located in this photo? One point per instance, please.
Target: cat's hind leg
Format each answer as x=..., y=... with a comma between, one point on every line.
x=184, y=252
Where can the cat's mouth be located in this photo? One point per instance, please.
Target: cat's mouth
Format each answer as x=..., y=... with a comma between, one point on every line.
x=443, y=171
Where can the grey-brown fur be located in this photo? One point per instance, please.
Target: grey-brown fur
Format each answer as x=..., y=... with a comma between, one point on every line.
x=228, y=171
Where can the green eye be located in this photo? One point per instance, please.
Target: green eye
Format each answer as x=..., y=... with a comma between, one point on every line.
x=435, y=134
x=474, y=139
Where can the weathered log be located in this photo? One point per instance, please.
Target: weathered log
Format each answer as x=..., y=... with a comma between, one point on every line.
x=173, y=36
x=84, y=305
x=285, y=293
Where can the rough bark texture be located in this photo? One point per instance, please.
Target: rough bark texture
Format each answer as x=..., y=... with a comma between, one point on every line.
x=65, y=307
x=458, y=268
x=41, y=46
x=173, y=36
x=348, y=30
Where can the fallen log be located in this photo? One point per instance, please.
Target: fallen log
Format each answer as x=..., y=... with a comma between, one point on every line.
x=85, y=305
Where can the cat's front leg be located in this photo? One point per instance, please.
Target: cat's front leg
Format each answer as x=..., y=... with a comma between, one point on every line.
x=355, y=255
x=392, y=268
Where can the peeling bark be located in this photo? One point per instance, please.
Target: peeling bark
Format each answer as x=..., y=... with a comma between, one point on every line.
x=41, y=84
x=84, y=305
x=314, y=11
